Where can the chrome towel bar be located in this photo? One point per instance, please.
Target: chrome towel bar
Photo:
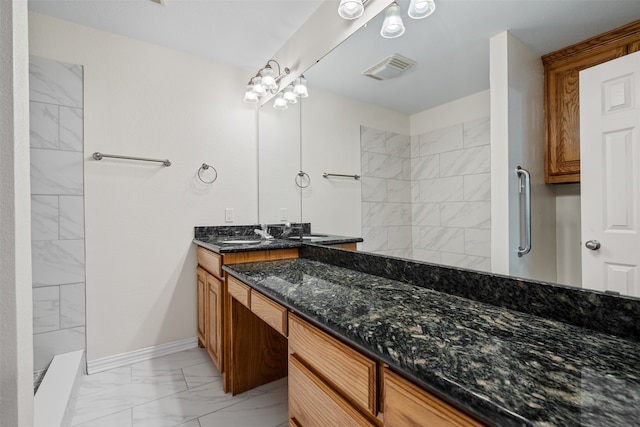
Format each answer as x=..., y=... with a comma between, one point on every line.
x=524, y=187
x=100, y=156
x=327, y=175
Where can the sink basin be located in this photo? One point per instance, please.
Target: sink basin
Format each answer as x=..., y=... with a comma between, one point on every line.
x=309, y=236
x=240, y=242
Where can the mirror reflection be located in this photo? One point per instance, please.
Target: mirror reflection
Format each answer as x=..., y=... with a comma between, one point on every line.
x=421, y=141
x=279, y=163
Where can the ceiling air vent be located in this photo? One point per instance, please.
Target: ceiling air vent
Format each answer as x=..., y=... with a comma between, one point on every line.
x=389, y=68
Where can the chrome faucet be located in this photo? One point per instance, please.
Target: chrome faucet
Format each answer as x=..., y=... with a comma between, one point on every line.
x=264, y=232
x=286, y=230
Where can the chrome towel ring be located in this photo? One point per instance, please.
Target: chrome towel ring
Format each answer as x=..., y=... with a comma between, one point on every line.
x=206, y=167
x=302, y=179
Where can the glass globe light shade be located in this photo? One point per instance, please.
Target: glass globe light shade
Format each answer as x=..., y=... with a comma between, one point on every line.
x=350, y=9
x=258, y=87
x=280, y=103
x=392, y=26
x=289, y=96
x=250, y=96
x=268, y=78
x=300, y=87
x=419, y=9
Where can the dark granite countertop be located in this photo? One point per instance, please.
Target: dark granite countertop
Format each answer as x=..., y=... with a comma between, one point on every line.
x=507, y=367
x=243, y=238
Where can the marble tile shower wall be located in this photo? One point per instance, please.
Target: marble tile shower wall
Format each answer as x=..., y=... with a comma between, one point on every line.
x=57, y=208
x=428, y=197
x=386, y=192
x=451, y=195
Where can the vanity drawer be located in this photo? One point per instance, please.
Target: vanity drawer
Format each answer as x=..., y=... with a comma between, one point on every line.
x=313, y=403
x=271, y=312
x=407, y=405
x=348, y=371
x=210, y=261
x=239, y=291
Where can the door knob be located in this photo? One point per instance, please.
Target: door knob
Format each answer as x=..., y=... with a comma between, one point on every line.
x=594, y=245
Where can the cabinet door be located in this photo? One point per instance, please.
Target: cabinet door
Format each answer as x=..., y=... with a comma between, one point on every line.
x=202, y=306
x=214, y=330
x=562, y=111
x=406, y=405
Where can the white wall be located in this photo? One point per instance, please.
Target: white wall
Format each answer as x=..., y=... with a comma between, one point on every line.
x=146, y=100
x=517, y=139
x=469, y=108
x=568, y=234
x=16, y=340
x=279, y=163
x=331, y=143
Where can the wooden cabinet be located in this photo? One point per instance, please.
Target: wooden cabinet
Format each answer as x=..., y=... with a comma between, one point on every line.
x=256, y=352
x=406, y=405
x=347, y=370
x=202, y=306
x=212, y=299
x=562, y=97
x=330, y=383
x=211, y=305
x=314, y=403
x=272, y=313
x=254, y=340
x=214, y=318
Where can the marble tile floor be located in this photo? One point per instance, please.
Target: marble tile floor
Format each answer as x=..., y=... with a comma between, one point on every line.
x=182, y=389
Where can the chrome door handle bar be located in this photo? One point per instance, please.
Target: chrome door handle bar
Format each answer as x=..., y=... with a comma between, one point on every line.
x=524, y=187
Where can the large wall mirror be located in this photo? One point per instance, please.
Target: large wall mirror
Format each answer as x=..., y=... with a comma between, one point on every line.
x=419, y=141
x=279, y=164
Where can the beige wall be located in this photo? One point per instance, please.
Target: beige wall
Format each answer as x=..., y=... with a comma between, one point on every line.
x=568, y=234
x=517, y=139
x=461, y=110
x=333, y=205
x=16, y=345
x=145, y=100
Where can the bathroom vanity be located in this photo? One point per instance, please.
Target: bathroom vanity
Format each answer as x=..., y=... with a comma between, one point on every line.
x=369, y=340
x=218, y=246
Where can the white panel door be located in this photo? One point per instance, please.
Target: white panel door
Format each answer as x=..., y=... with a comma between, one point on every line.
x=610, y=166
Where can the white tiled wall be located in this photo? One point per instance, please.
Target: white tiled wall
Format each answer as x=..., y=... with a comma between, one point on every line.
x=429, y=197
x=57, y=208
x=386, y=192
x=452, y=196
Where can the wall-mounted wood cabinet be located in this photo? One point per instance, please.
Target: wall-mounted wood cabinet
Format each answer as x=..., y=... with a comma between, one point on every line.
x=562, y=96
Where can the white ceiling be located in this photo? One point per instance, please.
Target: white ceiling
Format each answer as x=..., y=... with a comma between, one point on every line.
x=244, y=33
x=451, y=47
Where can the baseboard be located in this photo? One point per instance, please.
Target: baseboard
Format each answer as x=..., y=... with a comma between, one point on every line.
x=123, y=359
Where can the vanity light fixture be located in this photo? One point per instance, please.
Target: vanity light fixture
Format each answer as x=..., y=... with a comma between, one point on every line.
x=392, y=26
x=300, y=87
x=280, y=103
x=289, y=96
x=265, y=81
x=419, y=9
x=351, y=9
